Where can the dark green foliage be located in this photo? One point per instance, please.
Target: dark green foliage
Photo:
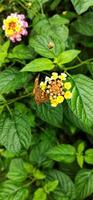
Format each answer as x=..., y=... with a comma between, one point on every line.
x=46, y=153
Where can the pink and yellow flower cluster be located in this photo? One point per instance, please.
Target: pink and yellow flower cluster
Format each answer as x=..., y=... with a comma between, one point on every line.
x=15, y=26
x=57, y=88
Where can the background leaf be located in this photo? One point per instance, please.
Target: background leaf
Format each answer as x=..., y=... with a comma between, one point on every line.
x=38, y=154
x=89, y=156
x=15, y=132
x=82, y=5
x=83, y=24
x=21, y=52
x=17, y=172
x=84, y=183
x=10, y=80
x=65, y=189
x=8, y=190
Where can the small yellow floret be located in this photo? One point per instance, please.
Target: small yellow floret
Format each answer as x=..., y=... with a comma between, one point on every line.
x=54, y=102
x=9, y=32
x=60, y=99
x=67, y=85
x=54, y=75
x=63, y=76
x=43, y=86
x=68, y=95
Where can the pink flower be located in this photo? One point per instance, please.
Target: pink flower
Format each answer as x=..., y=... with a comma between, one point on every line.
x=15, y=26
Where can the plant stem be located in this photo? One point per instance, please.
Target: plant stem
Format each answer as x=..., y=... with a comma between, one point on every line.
x=18, y=98
x=79, y=59
x=78, y=65
x=29, y=183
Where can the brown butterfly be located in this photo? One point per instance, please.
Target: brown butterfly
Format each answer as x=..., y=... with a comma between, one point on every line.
x=40, y=96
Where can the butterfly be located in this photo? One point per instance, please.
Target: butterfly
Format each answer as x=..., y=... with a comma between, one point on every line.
x=40, y=96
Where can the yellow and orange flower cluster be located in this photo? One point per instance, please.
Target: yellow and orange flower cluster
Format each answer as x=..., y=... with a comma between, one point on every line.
x=57, y=88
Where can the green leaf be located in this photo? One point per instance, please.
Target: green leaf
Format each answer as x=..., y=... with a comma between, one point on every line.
x=3, y=52
x=38, y=154
x=23, y=109
x=65, y=189
x=80, y=156
x=31, y=170
x=62, y=152
x=53, y=43
x=66, y=56
x=7, y=154
x=62, y=33
x=54, y=4
x=53, y=116
x=38, y=174
x=46, y=46
x=50, y=186
x=58, y=20
x=90, y=68
x=80, y=160
x=82, y=5
x=89, y=156
x=84, y=184
x=38, y=65
x=10, y=191
x=17, y=172
x=83, y=24
x=15, y=132
x=2, y=103
x=81, y=147
x=40, y=194
x=21, y=52
x=10, y=80
x=81, y=103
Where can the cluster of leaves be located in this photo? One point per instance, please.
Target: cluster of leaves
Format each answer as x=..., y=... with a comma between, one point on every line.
x=47, y=153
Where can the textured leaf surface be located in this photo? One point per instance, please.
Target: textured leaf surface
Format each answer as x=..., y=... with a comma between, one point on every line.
x=58, y=20
x=81, y=5
x=15, y=132
x=38, y=154
x=81, y=103
x=84, y=184
x=83, y=24
x=53, y=116
x=50, y=186
x=56, y=33
x=21, y=52
x=65, y=188
x=41, y=45
x=89, y=156
x=10, y=191
x=63, y=152
x=17, y=172
x=10, y=80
